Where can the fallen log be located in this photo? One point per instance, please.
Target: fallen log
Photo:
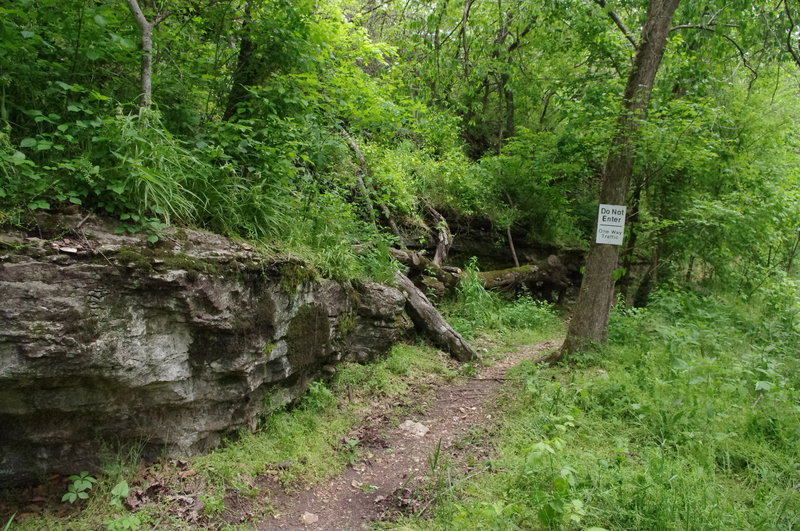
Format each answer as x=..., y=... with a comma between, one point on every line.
x=543, y=278
x=420, y=265
x=428, y=320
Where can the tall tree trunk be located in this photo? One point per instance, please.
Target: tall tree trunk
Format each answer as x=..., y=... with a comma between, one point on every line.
x=146, y=31
x=589, y=323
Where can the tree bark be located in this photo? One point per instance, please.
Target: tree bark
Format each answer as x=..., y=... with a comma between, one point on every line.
x=589, y=323
x=428, y=320
x=444, y=239
x=419, y=265
x=629, y=253
x=146, y=31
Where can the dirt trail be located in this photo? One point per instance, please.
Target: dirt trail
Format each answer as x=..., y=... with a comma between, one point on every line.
x=363, y=492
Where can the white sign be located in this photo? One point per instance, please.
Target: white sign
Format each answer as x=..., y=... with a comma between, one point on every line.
x=610, y=224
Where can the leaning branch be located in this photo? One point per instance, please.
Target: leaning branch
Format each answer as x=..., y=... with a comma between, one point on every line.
x=364, y=168
x=789, y=44
x=618, y=21
x=427, y=319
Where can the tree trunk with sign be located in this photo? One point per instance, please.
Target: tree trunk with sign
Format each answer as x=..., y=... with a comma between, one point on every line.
x=589, y=322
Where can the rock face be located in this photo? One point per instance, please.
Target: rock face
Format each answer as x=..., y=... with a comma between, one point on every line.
x=106, y=341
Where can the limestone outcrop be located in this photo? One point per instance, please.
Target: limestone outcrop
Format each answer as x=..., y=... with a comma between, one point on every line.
x=106, y=340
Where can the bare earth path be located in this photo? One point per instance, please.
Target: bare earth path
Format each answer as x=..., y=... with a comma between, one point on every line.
x=360, y=494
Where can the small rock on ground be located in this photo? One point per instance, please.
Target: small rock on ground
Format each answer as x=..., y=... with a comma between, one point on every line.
x=309, y=518
x=416, y=429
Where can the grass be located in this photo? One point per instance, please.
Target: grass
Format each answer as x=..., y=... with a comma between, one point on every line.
x=689, y=419
x=294, y=446
x=476, y=311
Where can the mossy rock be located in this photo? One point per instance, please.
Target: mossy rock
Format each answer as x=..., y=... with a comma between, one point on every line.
x=295, y=274
x=149, y=260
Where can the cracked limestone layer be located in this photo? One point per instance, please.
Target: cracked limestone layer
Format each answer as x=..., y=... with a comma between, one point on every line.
x=168, y=348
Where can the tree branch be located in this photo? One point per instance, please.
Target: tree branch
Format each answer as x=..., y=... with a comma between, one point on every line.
x=138, y=15
x=518, y=39
x=618, y=21
x=708, y=27
x=702, y=26
x=789, y=44
x=146, y=31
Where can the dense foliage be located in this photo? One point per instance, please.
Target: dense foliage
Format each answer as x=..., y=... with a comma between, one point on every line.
x=688, y=419
x=495, y=111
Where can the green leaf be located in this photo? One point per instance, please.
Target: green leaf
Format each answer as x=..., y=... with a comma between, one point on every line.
x=39, y=205
x=93, y=54
x=100, y=20
x=764, y=386
x=121, y=489
x=152, y=239
x=549, y=513
x=27, y=142
x=561, y=485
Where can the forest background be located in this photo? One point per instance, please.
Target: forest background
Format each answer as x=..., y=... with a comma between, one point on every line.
x=500, y=112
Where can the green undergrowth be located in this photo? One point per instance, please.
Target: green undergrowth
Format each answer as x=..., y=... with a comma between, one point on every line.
x=688, y=419
x=476, y=311
x=293, y=446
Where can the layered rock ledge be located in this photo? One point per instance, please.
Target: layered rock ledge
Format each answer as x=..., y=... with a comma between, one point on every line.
x=106, y=340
